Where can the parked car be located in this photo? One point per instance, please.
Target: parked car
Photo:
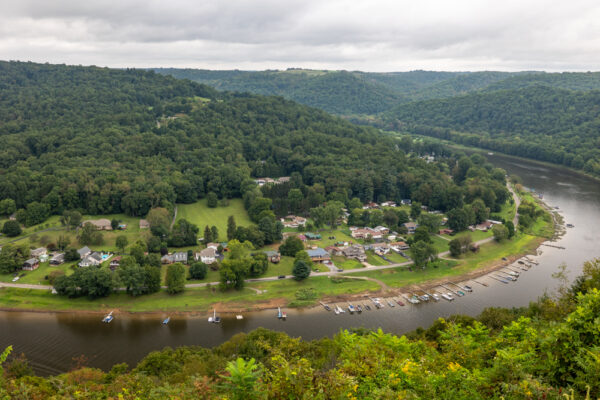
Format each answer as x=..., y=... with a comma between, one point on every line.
x=340, y=270
x=281, y=277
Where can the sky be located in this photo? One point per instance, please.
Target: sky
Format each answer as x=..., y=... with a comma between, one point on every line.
x=367, y=35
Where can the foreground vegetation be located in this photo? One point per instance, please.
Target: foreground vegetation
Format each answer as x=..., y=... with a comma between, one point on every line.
x=548, y=350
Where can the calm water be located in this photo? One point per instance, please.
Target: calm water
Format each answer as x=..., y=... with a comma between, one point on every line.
x=51, y=341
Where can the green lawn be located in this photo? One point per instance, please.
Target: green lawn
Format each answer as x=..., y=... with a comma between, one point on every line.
x=395, y=257
x=440, y=244
x=338, y=236
x=200, y=214
x=346, y=263
x=37, y=277
x=374, y=259
x=475, y=236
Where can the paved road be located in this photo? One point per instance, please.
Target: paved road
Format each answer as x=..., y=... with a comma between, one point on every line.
x=517, y=200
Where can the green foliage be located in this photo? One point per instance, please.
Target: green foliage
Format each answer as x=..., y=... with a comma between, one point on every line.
x=184, y=234
x=7, y=207
x=121, y=242
x=422, y=252
x=259, y=265
x=175, y=278
x=242, y=379
x=290, y=246
x=301, y=270
x=500, y=232
x=212, y=200
x=88, y=235
x=422, y=235
x=198, y=271
x=231, y=227
x=92, y=282
x=11, y=228
x=430, y=221
x=12, y=257
x=233, y=272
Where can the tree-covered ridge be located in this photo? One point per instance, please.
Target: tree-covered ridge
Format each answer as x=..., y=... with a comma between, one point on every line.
x=582, y=81
x=337, y=92
x=539, y=122
x=548, y=350
x=132, y=140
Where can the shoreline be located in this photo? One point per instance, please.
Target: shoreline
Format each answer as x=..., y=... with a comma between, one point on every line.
x=270, y=304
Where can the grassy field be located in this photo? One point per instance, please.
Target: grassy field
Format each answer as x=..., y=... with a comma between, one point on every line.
x=395, y=258
x=374, y=259
x=475, y=236
x=197, y=299
x=346, y=263
x=200, y=214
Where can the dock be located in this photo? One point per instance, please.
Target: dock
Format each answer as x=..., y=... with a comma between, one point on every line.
x=553, y=245
x=498, y=279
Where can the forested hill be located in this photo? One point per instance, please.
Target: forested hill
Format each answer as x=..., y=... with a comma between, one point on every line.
x=337, y=92
x=109, y=141
x=539, y=122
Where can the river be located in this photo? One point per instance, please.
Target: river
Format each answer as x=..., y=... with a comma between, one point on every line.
x=51, y=341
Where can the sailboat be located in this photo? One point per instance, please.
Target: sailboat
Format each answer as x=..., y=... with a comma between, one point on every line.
x=108, y=318
x=214, y=319
x=166, y=320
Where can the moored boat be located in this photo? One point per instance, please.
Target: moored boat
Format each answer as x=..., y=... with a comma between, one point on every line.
x=447, y=296
x=108, y=318
x=166, y=320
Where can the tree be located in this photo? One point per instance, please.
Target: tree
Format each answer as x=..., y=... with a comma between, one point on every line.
x=242, y=378
x=121, y=242
x=215, y=233
x=422, y=234
x=390, y=218
x=198, y=271
x=455, y=247
x=152, y=278
x=71, y=219
x=138, y=251
x=53, y=275
x=63, y=241
x=207, y=235
x=259, y=205
x=175, y=278
x=159, y=220
x=421, y=253
x=511, y=229
x=500, y=232
x=481, y=211
x=7, y=207
x=259, y=265
x=271, y=229
x=132, y=275
x=212, y=200
x=430, y=221
x=295, y=199
x=89, y=235
x=154, y=244
x=291, y=246
x=71, y=254
x=458, y=220
x=11, y=228
x=36, y=213
x=301, y=270
x=415, y=210
x=184, y=234
x=12, y=257
x=233, y=272
x=114, y=224
x=231, y=227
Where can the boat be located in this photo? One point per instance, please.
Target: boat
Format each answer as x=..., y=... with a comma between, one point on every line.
x=367, y=307
x=214, y=319
x=239, y=316
x=325, y=306
x=460, y=293
x=499, y=279
x=570, y=226
x=358, y=308
x=436, y=297
x=351, y=308
x=166, y=320
x=108, y=318
x=339, y=310
x=390, y=303
x=279, y=313
x=336, y=311
x=284, y=315
x=377, y=303
x=424, y=297
x=447, y=296
x=468, y=288
x=413, y=299
x=401, y=304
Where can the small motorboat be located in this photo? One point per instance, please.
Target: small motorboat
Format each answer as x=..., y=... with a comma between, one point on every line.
x=166, y=320
x=108, y=318
x=401, y=304
x=390, y=303
x=214, y=319
x=468, y=288
x=358, y=308
x=239, y=316
x=448, y=296
x=367, y=307
x=436, y=297
x=351, y=308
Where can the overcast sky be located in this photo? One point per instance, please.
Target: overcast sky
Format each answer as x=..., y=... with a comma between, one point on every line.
x=369, y=35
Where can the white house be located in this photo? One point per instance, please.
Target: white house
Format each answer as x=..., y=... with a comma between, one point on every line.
x=208, y=255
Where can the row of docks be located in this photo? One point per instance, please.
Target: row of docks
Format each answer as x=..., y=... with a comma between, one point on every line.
x=447, y=291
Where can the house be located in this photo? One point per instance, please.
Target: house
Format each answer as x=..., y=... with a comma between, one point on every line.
x=406, y=202
x=273, y=256
x=318, y=255
x=370, y=206
x=213, y=245
x=101, y=224
x=380, y=248
x=13, y=216
x=333, y=250
x=388, y=204
x=179, y=256
x=399, y=246
x=144, y=224
x=446, y=231
x=84, y=252
x=273, y=181
x=301, y=237
x=484, y=226
x=293, y=221
x=37, y=253
x=382, y=229
x=312, y=236
x=356, y=252
x=31, y=264
x=57, y=259
x=410, y=226
x=364, y=233
x=115, y=263
x=91, y=260
x=208, y=255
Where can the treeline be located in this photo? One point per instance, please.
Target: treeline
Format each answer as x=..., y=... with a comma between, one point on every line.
x=548, y=350
x=542, y=123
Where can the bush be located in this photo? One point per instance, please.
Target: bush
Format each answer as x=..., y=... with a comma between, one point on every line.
x=11, y=228
x=301, y=270
x=198, y=271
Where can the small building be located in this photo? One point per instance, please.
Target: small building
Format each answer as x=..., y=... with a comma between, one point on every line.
x=410, y=226
x=399, y=246
x=31, y=264
x=446, y=231
x=318, y=255
x=84, y=252
x=179, y=256
x=365, y=233
x=293, y=221
x=312, y=236
x=57, y=259
x=302, y=237
x=208, y=255
x=355, y=252
x=380, y=248
x=122, y=226
x=273, y=256
x=91, y=260
x=382, y=229
x=101, y=224
x=484, y=226
x=115, y=263
x=144, y=224
x=333, y=250
x=213, y=245
x=13, y=216
x=388, y=204
x=37, y=253
x=406, y=202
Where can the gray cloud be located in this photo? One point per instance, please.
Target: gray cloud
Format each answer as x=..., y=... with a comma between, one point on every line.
x=380, y=35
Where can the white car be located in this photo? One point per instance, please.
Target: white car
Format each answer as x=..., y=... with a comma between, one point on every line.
x=16, y=278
